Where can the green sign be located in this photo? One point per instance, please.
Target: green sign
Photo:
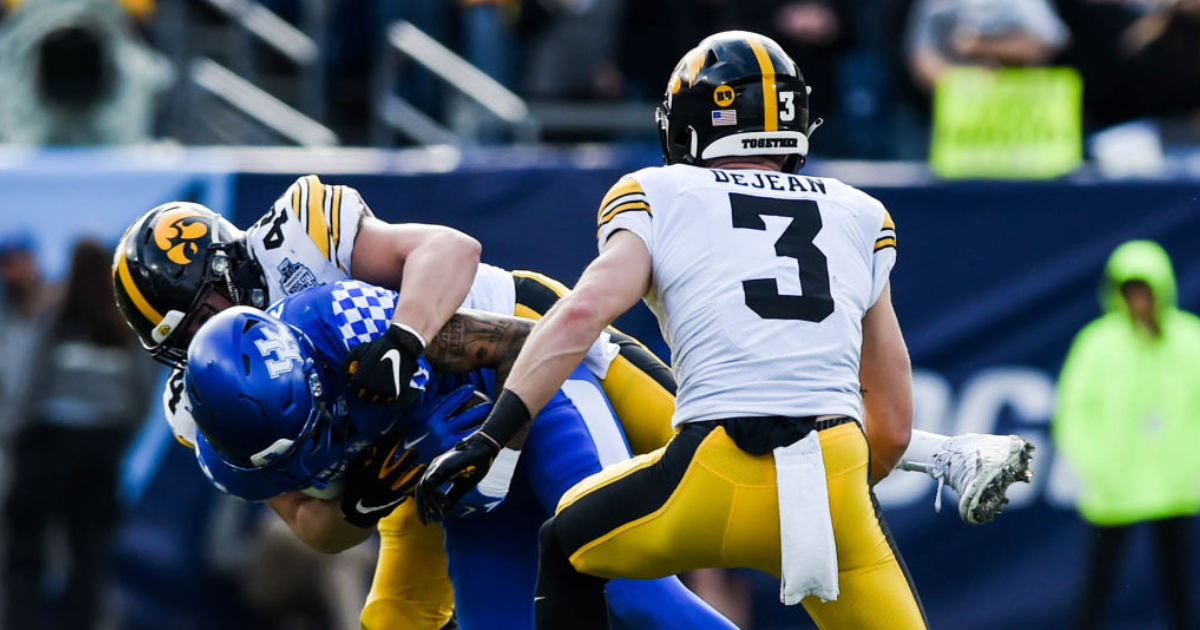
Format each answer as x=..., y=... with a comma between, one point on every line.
x=1011, y=123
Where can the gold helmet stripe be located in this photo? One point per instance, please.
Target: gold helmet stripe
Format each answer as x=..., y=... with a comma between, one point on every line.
x=770, y=98
x=695, y=63
x=139, y=301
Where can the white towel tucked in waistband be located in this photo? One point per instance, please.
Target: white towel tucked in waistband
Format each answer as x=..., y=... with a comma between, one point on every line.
x=805, y=527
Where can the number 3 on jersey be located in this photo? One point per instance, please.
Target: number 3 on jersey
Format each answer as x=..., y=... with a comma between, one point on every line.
x=762, y=294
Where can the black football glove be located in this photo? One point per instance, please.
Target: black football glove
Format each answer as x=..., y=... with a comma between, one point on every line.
x=463, y=468
x=381, y=371
x=379, y=479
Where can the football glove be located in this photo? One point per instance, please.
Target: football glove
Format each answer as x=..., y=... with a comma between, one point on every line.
x=385, y=473
x=378, y=480
x=452, y=474
x=381, y=370
x=463, y=468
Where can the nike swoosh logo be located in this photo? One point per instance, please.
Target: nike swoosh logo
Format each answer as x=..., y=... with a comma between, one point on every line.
x=367, y=509
x=393, y=355
x=411, y=443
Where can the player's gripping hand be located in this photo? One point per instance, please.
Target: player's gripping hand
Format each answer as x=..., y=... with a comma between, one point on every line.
x=381, y=370
x=453, y=474
x=385, y=473
x=378, y=480
x=462, y=468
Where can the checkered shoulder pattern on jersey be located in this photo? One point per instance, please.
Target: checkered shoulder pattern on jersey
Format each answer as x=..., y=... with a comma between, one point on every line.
x=307, y=238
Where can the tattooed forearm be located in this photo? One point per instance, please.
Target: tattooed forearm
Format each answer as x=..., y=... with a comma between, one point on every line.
x=475, y=339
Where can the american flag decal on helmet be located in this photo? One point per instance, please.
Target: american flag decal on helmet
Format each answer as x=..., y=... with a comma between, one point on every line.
x=723, y=117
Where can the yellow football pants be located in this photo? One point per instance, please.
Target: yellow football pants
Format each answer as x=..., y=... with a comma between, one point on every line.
x=703, y=502
x=411, y=589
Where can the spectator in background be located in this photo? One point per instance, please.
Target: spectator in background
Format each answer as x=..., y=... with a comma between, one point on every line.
x=817, y=34
x=488, y=40
x=1128, y=421
x=947, y=33
x=572, y=49
x=21, y=301
x=89, y=386
x=1137, y=58
x=72, y=72
x=653, y=35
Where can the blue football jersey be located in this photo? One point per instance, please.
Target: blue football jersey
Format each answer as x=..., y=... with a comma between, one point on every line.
x=338, y=316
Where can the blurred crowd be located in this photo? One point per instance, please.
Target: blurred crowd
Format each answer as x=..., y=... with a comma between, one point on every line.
x=91, y=540
x=873, y=64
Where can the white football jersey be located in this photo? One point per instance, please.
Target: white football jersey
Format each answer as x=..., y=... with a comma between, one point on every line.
x=760, y=283
x=307, y=239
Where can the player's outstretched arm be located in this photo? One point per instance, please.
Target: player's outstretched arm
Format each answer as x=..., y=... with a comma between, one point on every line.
x=435, y=265
x=615, y=281
x=318, y=523
x=886, y=376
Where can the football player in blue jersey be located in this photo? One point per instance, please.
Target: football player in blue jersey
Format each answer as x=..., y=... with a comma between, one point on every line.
x=275, y=418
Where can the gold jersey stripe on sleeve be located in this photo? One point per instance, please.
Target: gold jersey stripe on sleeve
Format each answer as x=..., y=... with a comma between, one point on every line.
x=887, y=233
x=296, y=200
x=335, y=217
x=318, y=229
x=625, y=187
x=627, y=206
x=770, y=99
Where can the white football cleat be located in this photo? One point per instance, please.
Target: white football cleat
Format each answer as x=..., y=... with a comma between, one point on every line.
x=980, y=468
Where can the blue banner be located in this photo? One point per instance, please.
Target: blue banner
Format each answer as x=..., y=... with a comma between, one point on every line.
x=992, y=283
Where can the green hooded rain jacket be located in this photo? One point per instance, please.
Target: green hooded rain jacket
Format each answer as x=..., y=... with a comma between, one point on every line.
x=1128, y=417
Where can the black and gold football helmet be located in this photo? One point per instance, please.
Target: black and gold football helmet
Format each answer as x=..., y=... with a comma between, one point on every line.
x=168, y=266
x=737, y=93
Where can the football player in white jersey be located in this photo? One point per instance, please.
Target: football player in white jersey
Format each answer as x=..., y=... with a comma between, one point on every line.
x=180, y=262
x=772, y=290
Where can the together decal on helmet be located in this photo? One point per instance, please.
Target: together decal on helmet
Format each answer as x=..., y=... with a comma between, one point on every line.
x=737, y=93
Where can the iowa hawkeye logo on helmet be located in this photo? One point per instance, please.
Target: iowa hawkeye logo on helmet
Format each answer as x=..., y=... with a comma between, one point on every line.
x=737, y=93
x=168, y=265
x=177, y=232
